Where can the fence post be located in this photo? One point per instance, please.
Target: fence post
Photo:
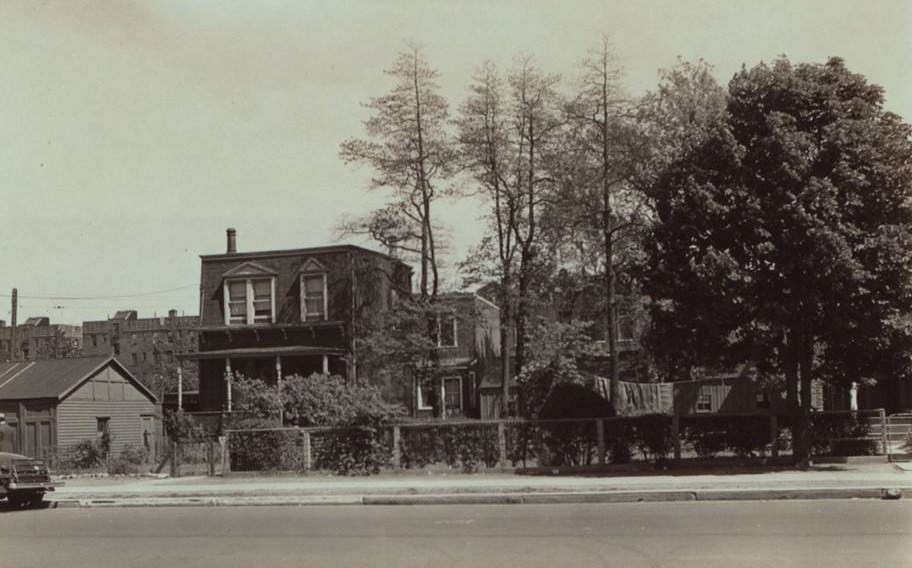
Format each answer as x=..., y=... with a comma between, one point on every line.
x=884, y=439
x=774, y=435
x=676, y=435
x=306, y=450
x=502, y=444
x=225, y=443
x=210, y=456
x=397, y=457
x=174, y=469
x=600, y=436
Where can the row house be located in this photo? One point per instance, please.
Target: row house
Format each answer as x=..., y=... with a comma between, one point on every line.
x=38, y=338
x=149, y=347
x=272, y=314
x=134, y=340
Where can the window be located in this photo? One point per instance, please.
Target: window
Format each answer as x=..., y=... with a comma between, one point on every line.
x=313, y=297
x=446, y=330
x=102, y=423
x=427, y=396
x=704, y=402
x=452, y=393
x=452, y=389
x=762, y=399
x=135, y=358
x=625, y=329
x=249, y=301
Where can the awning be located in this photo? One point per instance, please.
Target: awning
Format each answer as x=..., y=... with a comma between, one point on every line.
x=263, y=352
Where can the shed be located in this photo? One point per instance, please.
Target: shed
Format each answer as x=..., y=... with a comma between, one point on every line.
x=56, y=403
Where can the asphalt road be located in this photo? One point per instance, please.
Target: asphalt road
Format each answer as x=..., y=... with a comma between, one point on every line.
x=781, y=534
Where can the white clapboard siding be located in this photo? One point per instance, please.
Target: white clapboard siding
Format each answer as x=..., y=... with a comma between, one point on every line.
x=108, y=394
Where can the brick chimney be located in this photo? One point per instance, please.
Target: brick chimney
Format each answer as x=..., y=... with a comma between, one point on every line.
x=232, y=241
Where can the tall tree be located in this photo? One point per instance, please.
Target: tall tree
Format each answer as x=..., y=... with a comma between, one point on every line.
x=411, y=152
x=507, y=131
x=786, y=239
x=687, y=108
x=598, y=172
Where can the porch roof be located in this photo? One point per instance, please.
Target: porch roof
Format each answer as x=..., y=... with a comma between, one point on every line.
x=255, y=352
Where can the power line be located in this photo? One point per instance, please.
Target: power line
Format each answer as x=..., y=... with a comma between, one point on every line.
x=112, y=297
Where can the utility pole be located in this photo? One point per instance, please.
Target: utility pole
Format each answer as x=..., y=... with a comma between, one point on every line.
x=14, y=343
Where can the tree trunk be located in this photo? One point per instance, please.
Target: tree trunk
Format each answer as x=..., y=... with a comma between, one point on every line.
x=611, y=300
x=506, y=340
x=798, y=392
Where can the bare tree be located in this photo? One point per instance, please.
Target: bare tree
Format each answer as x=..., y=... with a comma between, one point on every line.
x=411, y=153
x=505, y=133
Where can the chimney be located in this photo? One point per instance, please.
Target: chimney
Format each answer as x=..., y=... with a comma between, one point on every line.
x=172, y=314
x=232, y=241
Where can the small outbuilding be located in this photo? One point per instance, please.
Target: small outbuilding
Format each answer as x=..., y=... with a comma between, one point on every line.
x=56, y=403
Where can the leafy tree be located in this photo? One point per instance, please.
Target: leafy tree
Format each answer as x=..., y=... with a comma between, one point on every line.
x=786, y=237
x=411, y=153
x=508, y=131
x=58, y=346
x=600, y=213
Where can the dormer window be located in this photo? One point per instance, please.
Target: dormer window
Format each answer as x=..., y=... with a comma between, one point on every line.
x=249, y=292
x=314, y=300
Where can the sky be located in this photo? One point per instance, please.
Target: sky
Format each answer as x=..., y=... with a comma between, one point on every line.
x=135, y=132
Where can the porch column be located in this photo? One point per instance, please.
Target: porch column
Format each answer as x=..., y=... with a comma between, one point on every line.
x=180, y=386
x=228, y=380
x=278, y=366
x=325, y=364
x=443, y=408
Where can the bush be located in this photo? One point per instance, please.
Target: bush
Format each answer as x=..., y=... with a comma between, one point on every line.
x=86, y=454
x=359, y=447
x=828, y=431
x=740, y=435
x=465, y=446
x=653, y=435
x=266, y=450
x=129, y=461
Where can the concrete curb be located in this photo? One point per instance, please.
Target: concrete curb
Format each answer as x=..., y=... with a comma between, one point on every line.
x=537, y=498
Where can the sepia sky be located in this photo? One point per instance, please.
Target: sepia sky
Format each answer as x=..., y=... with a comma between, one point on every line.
x=135, y=132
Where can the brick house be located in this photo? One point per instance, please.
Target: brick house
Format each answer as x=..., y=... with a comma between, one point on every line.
x=38, y=338
x=272, y=314
x=467, y=357
x=149, y=347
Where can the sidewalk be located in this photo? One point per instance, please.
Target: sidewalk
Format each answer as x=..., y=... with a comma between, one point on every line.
x=832, y=481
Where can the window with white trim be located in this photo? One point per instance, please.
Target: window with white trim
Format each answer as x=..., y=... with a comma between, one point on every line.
x=249, y=301
x=428, y=395
x=313, y=297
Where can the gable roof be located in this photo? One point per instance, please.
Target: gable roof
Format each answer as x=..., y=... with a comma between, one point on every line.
x=249, y=269
x=56, y=378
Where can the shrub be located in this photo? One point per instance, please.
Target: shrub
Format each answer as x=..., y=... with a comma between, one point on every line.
x=129, y=461
x=85, y=455
x=653, y=435
x=358, y=447
x=465, y=446
x=266, y=450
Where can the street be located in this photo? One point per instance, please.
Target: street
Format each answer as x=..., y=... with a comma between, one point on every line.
x=681, y=535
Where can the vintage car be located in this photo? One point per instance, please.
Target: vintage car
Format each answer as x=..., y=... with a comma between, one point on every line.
x=24, y=480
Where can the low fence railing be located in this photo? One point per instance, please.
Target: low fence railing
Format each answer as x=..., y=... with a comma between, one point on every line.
x=470, y=445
